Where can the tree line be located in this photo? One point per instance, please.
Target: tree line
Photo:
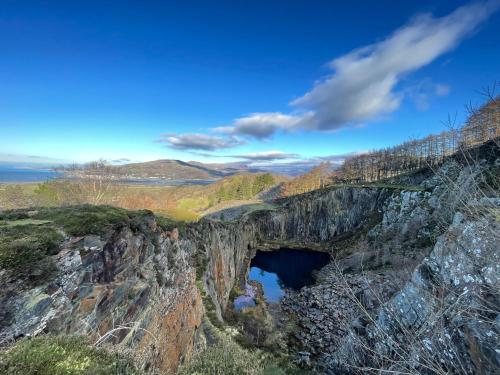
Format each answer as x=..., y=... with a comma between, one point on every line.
x=481, y=126
x=243, y=187
x=316, y=178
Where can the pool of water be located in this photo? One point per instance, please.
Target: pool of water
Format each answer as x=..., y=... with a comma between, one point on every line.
x=285, y=268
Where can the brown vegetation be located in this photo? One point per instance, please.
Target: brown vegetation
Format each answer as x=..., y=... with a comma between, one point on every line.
x=482, y=125
x=316, y=178
x=98, y=186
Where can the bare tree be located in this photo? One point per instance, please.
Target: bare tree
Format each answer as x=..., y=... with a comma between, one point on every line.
x=93, y=183
x=482, y=125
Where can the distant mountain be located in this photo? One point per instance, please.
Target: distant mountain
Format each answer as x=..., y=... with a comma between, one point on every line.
x=192, y=170
x=171, y=169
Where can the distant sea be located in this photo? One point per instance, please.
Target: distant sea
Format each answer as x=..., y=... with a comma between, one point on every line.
x=11, y=175
x=25, y=175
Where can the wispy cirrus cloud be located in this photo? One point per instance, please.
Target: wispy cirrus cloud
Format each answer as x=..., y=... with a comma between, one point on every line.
x=34, y=159
x=203, y=142
x=304, y=165
x=363, y=84
x=422, y=93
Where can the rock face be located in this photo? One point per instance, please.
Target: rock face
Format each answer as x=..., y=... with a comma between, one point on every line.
x=321, y=216
x=131, y=287
x=314, y=219
x=404, y=262
x=368, y=273
x=389, y=295
x=445, y=319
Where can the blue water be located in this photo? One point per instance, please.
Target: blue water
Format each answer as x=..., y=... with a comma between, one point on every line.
x=285, y=268
x=24, y=175
x=19, y=175
x=270, y=281
x=246, y=300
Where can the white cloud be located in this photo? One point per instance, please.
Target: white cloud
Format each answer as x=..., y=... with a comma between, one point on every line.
x=199, y=142
x=266, y=156
x=363, y=85
x=260, y=125
x=338, y=159
x=30, y=159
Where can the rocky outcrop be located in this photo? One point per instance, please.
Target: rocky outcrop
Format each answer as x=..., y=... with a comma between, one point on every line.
x=133, y=287
x=388, y=300
x=445, y=319
x=320, y=216
x=311, y=220
x=221, y=251
x=403, y=223
x=356, y=306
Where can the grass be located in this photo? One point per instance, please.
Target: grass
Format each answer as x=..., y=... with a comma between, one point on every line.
x=25, y=249
x=179, y=214
x=193, y=204
x=15, y=223
x=25, y=187
x=88, y=219
x=62, y=355
x=227, y=357
x=27, y=243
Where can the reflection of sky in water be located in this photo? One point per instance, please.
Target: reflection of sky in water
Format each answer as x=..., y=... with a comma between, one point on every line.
x=243, y=301
x=270, y=282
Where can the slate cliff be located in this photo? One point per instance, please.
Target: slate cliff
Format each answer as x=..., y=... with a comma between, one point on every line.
x=132, y=286
x=404, y=255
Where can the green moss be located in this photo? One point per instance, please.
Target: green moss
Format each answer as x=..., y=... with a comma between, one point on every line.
x=25, y=250
x=61, y=355
x=235, y=293
x=86, y=219
x=200, y=262
x=210, y=309
x=15, y=223
x=166, y=222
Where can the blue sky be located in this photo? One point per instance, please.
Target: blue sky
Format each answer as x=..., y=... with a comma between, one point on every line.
x=225, y=81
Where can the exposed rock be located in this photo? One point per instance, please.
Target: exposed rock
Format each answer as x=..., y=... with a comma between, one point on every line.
x=340, y=309
x=388, y=300
x=445, y=319
x=135, y=289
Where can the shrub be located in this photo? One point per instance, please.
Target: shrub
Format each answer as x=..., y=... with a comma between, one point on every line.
x=61, y=355
x=25, y=250
x=226, y=357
